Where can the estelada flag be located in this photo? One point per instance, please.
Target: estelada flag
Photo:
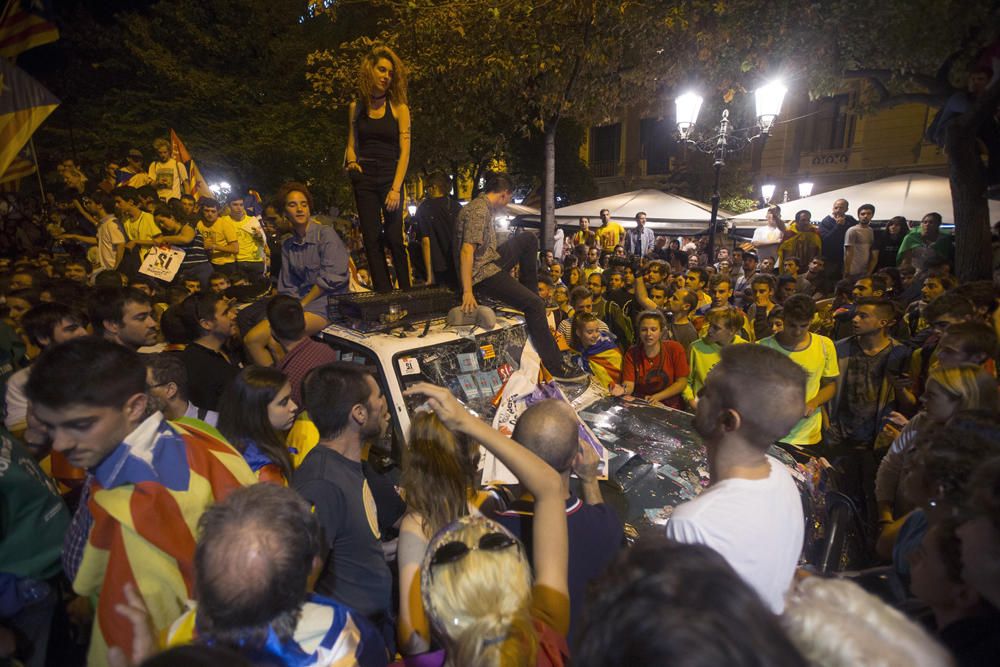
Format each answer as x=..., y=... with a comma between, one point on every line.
x=24, y=104
x=23, y=165
x=143, y=530
x=24, y=25
x=196, y=183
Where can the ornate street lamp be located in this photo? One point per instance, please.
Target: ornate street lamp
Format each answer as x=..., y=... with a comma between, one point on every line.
x=768, y=99
x=805, y=188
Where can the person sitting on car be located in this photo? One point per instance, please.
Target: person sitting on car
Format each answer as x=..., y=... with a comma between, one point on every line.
x=753, y=500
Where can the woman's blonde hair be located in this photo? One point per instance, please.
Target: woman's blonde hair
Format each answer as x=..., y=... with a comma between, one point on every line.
x=366, y=77
x=438, y=472
x=480, y=605
x=835, y=623
x=974, y=388
x=727, y=316
x=580, y=320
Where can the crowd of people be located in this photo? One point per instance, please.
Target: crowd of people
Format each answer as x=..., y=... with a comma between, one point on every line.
x=186, y=474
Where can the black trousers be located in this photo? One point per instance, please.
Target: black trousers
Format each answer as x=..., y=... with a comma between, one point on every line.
x=522, y=251
x=380, y=227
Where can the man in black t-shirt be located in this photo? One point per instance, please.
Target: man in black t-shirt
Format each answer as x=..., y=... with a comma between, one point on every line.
x=348, y=409
x=435, y=220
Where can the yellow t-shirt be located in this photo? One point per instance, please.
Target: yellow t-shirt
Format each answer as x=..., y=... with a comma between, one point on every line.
x=222, y=232
x=819, y=360
x=142, y=228
x=251, y=250
x=302, y=438
x=702, y=357
x=610, y=235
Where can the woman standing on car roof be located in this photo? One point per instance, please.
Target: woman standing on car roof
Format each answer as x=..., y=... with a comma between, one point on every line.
x=378, y=152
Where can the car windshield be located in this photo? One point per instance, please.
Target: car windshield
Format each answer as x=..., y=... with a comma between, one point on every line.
x=474, y=368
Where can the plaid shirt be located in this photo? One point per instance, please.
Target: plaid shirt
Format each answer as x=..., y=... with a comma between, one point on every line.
x=76, y=534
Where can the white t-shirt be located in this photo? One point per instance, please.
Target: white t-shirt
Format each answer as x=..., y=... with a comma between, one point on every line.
x=756, y=525
x=109, y=235
x=16, y=415
x=168, y=178
x=766, y=240
x=861, y=239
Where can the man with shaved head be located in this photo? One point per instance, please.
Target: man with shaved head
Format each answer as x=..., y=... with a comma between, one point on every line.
x=551, y=430
x=259, y=554
x=751, y=514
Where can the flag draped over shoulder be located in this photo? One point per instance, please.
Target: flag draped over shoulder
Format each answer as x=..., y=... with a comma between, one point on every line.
x=25, y=25
x=144, y=526
x=196, y=183
x=24, y=104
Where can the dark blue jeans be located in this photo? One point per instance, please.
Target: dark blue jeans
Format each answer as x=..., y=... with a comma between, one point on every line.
x=522, y=250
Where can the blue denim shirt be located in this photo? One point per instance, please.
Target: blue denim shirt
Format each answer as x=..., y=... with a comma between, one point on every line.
x=320, y=258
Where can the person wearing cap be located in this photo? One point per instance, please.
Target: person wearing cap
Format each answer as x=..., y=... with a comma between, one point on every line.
x=132, y=173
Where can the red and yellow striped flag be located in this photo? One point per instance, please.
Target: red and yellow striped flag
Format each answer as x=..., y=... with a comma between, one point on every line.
x=24, y=104
x=144, y=532
x=196, y=184
x=24, y=26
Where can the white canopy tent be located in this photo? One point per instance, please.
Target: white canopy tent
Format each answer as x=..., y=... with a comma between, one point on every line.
x=910, y=195
x=665, y=212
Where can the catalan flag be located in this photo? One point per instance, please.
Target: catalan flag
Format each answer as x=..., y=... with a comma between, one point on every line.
x=24, y=104
x=196, y=184
x=145, y=501
x=23, y=165
x=24, y=25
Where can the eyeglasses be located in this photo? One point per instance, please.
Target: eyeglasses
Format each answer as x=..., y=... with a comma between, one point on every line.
x=457, y=550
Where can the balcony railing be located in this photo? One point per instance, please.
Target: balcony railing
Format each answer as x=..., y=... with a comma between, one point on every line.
x=604, y=169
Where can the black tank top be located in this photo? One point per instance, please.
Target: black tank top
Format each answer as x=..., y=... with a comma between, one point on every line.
x=378, y=138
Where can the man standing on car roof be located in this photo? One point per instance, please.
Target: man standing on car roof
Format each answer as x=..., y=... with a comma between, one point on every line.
x=484, y=270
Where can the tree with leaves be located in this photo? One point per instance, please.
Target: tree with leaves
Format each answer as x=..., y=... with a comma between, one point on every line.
x=483, y=72
x=229, y=76
x=906, y=51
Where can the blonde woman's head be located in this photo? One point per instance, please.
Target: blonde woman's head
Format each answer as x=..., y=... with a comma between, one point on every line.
x=962, y=387
x=476, y=585
x=835, y=623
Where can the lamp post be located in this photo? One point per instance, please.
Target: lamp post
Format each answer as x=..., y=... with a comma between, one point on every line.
x=805, y=188
x=768, y=101
x=768, y=191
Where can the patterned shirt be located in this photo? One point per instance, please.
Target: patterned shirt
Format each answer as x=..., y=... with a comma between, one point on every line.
x=475, y=227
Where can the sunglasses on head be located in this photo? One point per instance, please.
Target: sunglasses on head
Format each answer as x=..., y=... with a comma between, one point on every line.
x=455, y=551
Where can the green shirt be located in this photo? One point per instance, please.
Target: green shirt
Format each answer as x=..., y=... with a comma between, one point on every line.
x=33, y=518
x=943, y=246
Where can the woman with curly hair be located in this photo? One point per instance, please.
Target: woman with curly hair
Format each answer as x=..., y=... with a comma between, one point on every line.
x=378, y=152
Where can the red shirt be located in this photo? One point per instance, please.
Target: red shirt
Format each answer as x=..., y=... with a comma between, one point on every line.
x=304, y=357
x=652, y=376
